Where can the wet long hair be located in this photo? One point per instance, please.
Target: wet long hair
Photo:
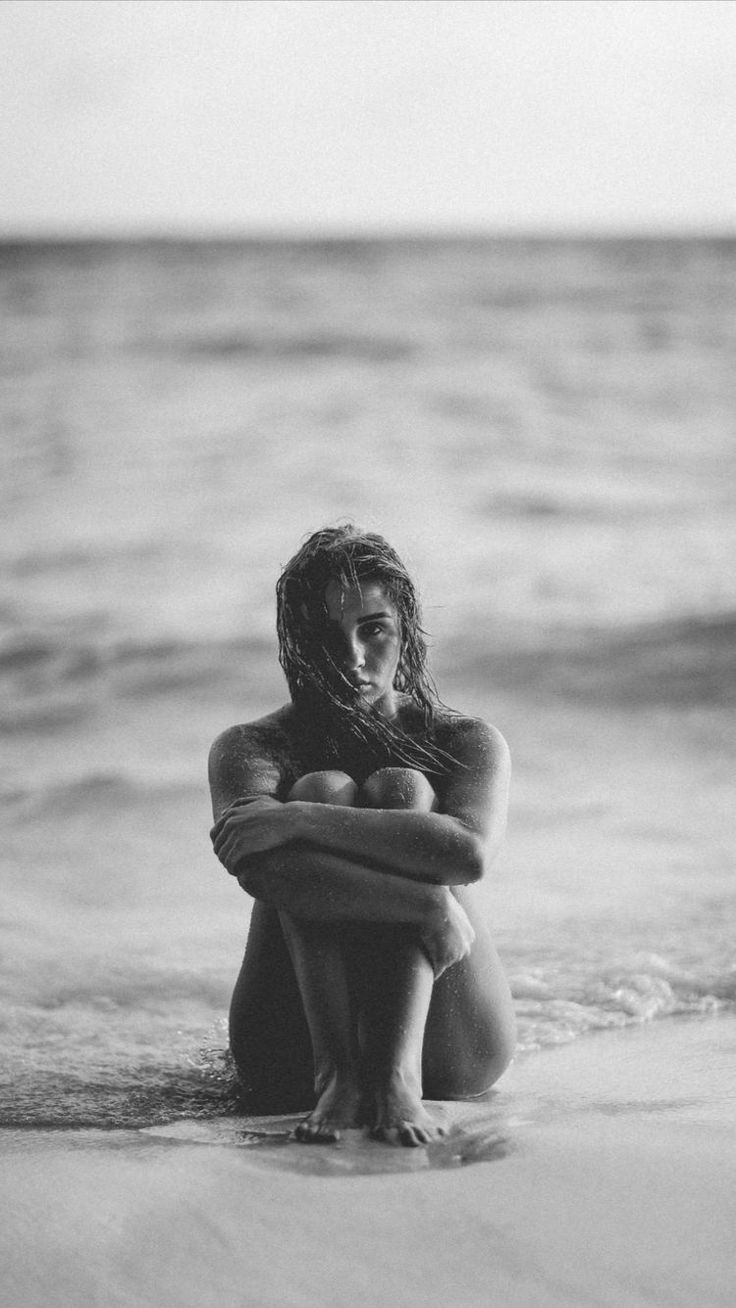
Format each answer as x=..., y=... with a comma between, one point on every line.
x=326, y=702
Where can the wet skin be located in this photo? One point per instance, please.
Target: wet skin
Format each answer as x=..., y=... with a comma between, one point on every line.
x=375, y=979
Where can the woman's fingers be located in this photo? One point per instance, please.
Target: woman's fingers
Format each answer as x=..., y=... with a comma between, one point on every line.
x=224, y=858
x=221, y=835
x=220, y=823
x=243, y=802
x=223, y=828
x=228, y=853
x=248, y=826
x=238, y=835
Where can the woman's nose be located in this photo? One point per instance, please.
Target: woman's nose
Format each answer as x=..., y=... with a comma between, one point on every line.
x=355, y=656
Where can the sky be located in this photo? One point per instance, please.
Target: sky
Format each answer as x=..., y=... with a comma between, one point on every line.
x=238, y=116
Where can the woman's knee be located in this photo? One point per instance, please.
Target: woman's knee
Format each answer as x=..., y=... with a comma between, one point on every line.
x=496, y=1061
x=472, y=1073
x=398, y=788
x=325, y=788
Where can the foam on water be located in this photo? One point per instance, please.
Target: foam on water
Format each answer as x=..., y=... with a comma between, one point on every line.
x=113, y=1040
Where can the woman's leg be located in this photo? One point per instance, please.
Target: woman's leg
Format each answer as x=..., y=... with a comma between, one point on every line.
x=470, y=1036
x=469, y=1032
x=386, y=981
x=395, y=986
x=318, y=954
x=270, y=1038
x=321, y=886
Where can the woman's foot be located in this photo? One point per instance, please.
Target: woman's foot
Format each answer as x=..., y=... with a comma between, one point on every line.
x=337, y=1109
x=399, y=1116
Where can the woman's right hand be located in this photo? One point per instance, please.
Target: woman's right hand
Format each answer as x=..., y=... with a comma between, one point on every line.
x=448, y=937
x=251, y=825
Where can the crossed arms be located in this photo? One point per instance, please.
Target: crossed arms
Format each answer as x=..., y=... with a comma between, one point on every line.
x=452, y=845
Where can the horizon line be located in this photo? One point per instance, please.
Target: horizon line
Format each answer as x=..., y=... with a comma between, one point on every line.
x=345, y=233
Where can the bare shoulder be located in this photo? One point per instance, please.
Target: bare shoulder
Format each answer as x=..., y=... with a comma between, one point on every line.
x=475, y=788
x=252, y=758
x=269, y=734
x=472, y=741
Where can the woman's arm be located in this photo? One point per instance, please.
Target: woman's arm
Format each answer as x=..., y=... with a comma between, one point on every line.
x=451, y=846
x=243, y=763
x=316, y=885
x=321, y=887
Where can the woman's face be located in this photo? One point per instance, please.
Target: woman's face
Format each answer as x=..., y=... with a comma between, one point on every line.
x=366, y=626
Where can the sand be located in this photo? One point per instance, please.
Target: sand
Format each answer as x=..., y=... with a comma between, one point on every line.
x=610, y=1179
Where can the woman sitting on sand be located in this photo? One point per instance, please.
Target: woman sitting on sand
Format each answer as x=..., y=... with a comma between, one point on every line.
x=358, y=816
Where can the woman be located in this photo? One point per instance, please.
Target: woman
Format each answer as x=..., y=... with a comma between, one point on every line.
x=359, y=816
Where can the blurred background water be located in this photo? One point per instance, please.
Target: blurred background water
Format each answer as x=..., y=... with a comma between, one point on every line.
x=545, y=431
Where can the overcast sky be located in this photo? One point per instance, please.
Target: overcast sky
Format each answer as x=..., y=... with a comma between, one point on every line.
x=235, y=115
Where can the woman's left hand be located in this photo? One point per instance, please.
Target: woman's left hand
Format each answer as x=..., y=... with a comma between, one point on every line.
x=250, y=826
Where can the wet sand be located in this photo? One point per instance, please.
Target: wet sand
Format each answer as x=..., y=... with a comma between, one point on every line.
x=609, y=1179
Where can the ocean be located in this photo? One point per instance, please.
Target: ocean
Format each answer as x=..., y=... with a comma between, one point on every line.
x=545, y=431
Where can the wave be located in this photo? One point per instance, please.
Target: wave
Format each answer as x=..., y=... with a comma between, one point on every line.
x=132, y=990
x=569, y=507
x=644, y=989
x=318, y=346
x=122, y=1085
x=630, y=991
x=52, y=680
x=42, y=561
x=97, y=790
x=678, y=662
x=74, y=658
x=133, y=1096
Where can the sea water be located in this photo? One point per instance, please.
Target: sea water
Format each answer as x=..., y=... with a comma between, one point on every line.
x=545, y=431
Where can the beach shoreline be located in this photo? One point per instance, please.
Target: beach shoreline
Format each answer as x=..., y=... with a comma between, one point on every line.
x=615, y=1185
